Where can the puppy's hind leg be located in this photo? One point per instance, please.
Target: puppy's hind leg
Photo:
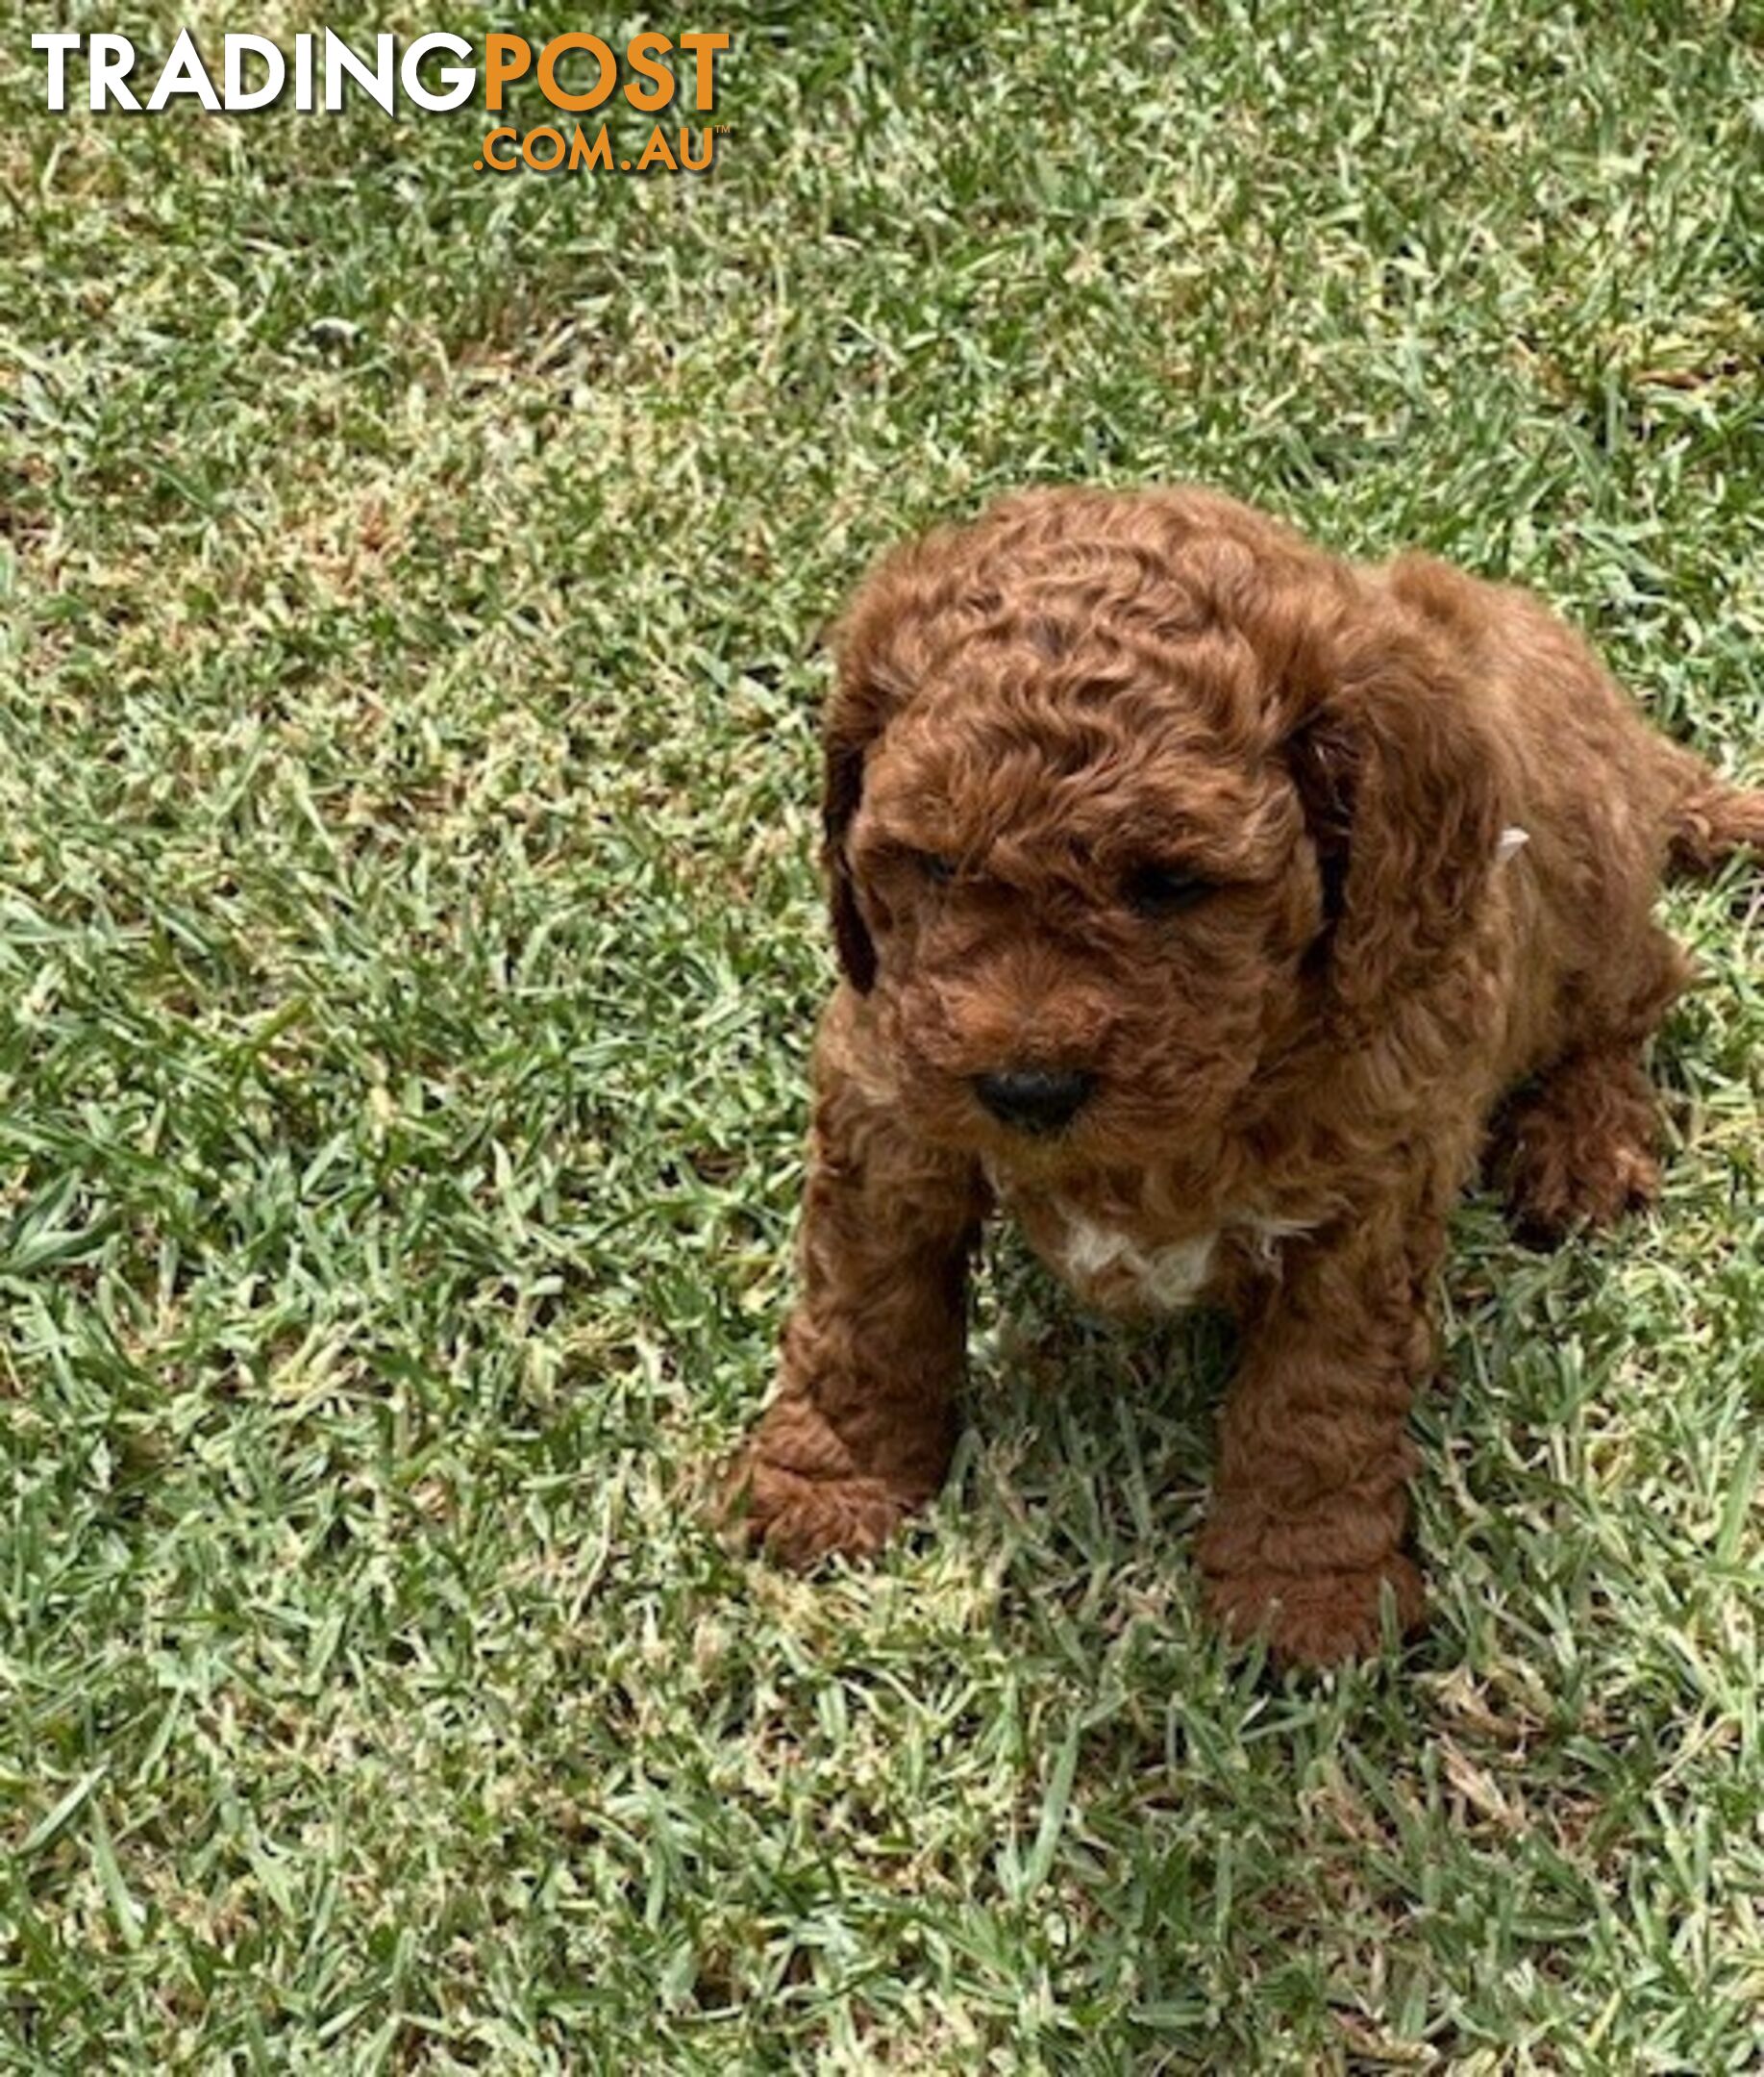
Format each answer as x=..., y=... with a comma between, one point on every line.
x=1579, y=1146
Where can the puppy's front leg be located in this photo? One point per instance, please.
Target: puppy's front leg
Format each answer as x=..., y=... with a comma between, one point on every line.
x=1310, y=1498
x=860, y=1430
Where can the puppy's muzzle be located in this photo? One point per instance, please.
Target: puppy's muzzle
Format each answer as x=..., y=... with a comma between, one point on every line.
x=1034, y=1099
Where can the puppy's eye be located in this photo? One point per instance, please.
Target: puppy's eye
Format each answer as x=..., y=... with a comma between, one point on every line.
x=1164, y=890
x=939, y=871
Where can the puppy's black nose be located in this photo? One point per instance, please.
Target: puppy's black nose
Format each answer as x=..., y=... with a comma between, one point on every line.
x=1034, y=1099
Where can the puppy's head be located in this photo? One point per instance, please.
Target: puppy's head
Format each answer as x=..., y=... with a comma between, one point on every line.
x=1130, y=800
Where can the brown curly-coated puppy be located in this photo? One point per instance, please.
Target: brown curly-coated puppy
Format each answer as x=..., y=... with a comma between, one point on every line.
x=1199, y=898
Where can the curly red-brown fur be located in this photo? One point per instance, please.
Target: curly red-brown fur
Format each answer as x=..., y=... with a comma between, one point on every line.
x=1286, y=871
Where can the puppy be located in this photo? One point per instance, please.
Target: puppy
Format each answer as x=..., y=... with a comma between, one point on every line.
x=1206, y=903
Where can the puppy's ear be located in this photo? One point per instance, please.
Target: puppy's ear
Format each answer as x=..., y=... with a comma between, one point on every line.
x=841, y=791
x=866, y=693
x=1400, y=777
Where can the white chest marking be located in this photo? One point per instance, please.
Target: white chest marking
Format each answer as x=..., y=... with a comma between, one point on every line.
x=1269, y=1233
x=1169, y=1277
x=1512, y=842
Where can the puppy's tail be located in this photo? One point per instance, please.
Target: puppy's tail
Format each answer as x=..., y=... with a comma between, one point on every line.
x=1712, y=822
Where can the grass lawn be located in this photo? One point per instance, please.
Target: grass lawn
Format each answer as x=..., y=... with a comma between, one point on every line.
x=408, y=949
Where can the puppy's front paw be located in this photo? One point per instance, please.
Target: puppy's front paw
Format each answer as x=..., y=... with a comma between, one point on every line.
x=801, y=1517
x=1321, y=1618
